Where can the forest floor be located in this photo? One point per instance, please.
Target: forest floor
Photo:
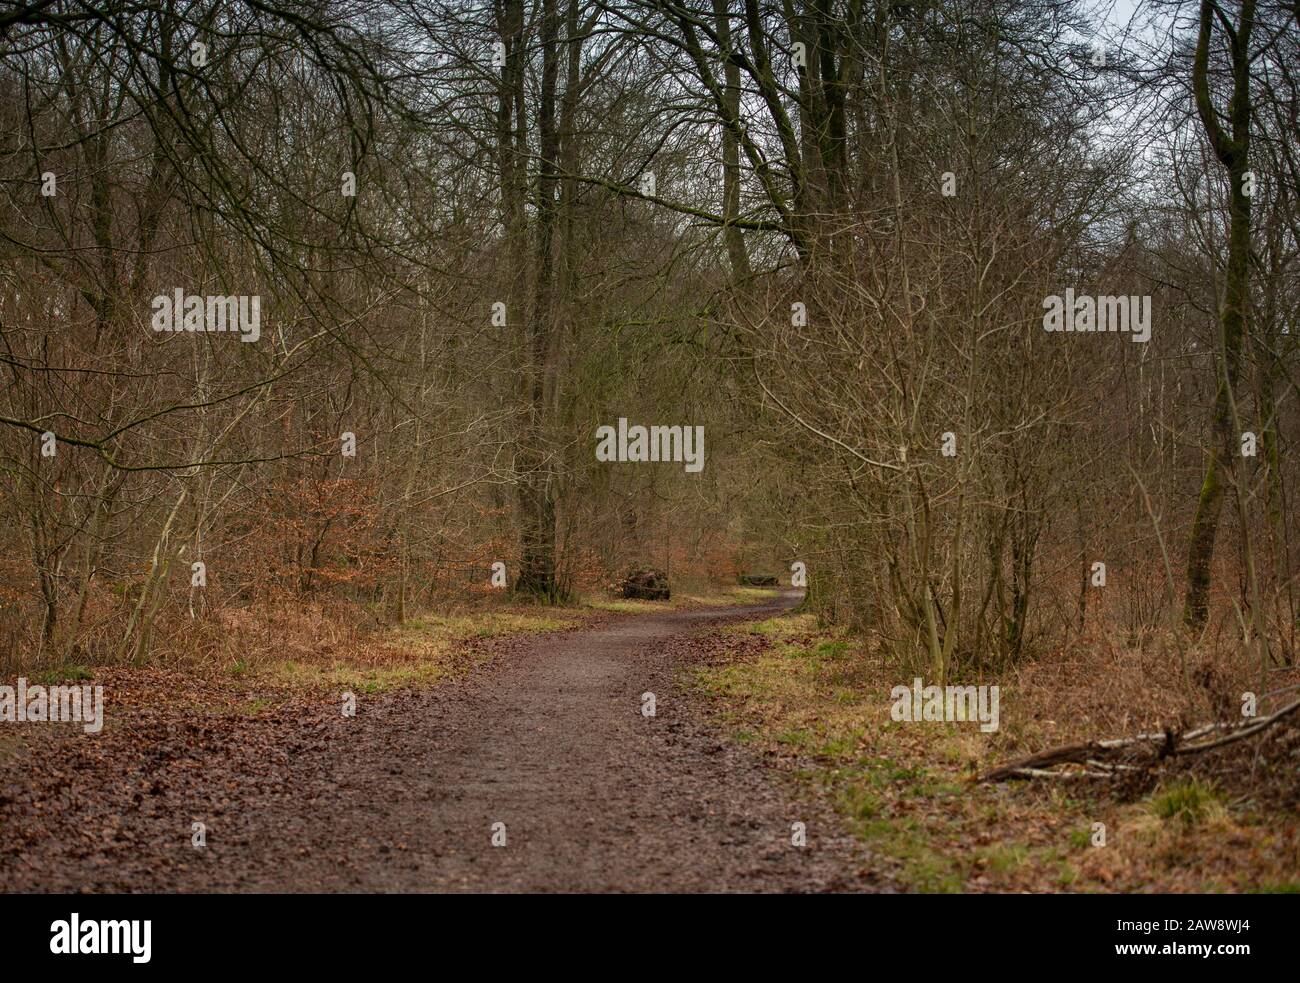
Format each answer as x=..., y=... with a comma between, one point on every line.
x=535, y=740
x=526, y=725
x=814, y=702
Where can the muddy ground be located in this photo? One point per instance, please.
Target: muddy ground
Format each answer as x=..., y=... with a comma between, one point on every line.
x=549, y=739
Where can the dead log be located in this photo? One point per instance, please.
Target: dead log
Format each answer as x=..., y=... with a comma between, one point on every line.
x=1103, y=759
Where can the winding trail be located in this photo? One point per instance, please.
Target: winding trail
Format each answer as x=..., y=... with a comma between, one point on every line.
x=549, y=739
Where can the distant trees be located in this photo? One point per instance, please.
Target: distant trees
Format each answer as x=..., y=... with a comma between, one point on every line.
x=826, y=231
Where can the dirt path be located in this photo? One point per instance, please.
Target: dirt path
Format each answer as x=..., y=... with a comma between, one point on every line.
x=549, y=740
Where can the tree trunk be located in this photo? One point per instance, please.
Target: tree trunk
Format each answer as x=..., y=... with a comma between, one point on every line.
x=537, y=574
x=1233, y=152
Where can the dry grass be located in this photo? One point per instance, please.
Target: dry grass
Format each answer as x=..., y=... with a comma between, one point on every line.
x=422, y=650
x=821, y=702
x=260, y=655
x=248, y=660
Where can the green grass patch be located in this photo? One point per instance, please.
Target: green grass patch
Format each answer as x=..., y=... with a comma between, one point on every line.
x=1004, y=857
x=813, y=694
x=61, y=674
x=1279, y=887
x=341, y=676
x=1186, y=804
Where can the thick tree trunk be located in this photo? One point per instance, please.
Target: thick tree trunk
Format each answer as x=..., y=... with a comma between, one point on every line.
x=537, y=574
x=733, y=237
x=1233, y=152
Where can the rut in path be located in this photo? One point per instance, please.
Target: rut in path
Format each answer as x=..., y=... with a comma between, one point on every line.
x=549, y=740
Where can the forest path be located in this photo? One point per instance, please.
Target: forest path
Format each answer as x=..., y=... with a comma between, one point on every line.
x=549, y=740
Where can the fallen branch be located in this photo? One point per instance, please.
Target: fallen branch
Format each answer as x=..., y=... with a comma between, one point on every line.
x=1099, y=758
